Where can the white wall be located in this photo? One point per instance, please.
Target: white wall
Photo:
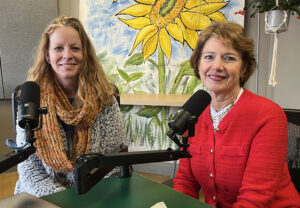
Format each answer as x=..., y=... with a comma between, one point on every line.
x=285, y=93
x=68, y=7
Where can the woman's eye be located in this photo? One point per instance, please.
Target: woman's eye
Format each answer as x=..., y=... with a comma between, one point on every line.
x=230, y=58
x=75, y=48
x=208, y=57
x=59, y=48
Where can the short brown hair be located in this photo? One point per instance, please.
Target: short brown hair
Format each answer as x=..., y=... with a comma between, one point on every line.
x=234, y=35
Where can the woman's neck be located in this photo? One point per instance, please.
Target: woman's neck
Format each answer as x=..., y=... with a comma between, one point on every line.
x=70, y=88
x=220, y=101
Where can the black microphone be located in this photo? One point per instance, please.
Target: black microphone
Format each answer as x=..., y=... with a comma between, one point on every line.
x=28, y=113
x=193, y=107
x=28, y=119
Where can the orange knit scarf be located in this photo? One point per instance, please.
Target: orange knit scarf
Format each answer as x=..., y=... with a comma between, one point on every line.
x=49, y=143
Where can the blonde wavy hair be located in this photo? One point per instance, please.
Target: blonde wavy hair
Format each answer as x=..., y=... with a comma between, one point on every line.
x=91, y=74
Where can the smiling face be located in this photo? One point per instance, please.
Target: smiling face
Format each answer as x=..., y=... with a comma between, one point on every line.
x=220, y=67
x=65, y=54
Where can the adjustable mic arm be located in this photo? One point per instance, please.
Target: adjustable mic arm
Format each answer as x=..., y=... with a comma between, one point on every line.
x=91, y=168
x=14, y=158
x=19, y=155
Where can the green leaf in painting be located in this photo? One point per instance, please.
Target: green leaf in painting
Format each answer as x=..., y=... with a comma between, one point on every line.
x=156, y=121
x=149, y=111
x=135, y=60
x=191, y=85
x=186, y=68
x=153, y=62
x=189, y=71
x=135, y=76
x=124, y=75
x=149, y=133
x=139, y=92
x=126, y=108
x=121, y=87
x=100, y=56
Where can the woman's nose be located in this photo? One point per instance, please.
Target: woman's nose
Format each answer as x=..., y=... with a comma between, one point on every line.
x=218, y=64
x=67, y=53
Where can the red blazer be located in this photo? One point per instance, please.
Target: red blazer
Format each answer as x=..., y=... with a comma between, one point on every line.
x=243, y=162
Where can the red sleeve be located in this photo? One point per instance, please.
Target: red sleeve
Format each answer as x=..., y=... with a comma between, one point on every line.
x=266, y=160
x=184, y=180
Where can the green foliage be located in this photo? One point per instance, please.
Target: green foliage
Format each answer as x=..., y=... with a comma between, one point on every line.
x=135, y=60
x=135, y=76
x=157, y=116
x=138, y=136
x=102, y=55
x=185, y=70
x=261, y=6
x=151, y=126
x=139, y=92
x=126, y=108
x=191, y=85
x=153, y=63
x=130, y=77
x=149, y=111
x=149, y=132
x=124, y=75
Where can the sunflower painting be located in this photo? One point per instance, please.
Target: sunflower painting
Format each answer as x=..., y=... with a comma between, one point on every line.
x=144, y=46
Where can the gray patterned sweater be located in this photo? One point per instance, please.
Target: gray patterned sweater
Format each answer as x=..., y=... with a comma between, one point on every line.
x=38, y=179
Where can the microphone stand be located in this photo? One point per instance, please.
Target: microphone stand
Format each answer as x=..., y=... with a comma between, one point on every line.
x=91, y=168
x=19, y=155
x=13, y=158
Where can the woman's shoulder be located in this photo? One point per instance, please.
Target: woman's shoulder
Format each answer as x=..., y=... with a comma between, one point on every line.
x=112, y=105
x=256, y=103
x=110, y=109
x=258, y=99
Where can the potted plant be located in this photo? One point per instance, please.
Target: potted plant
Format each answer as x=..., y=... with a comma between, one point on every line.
x=277, y=12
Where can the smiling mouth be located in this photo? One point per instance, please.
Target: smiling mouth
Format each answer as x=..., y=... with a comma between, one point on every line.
x=67, y=65
x=216, y=78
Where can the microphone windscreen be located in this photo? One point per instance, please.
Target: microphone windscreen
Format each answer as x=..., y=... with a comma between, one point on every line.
x=30, y=92
x=197, y=103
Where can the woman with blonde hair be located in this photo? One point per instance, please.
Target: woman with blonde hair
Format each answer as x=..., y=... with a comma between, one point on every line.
x=83, y=114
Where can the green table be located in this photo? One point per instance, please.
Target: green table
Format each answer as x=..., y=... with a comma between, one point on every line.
x=133, y=192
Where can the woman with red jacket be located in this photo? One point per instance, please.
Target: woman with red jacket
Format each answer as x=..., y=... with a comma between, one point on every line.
x=240, y=143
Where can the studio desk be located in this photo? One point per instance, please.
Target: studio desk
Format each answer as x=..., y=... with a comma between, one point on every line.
x=132, y=192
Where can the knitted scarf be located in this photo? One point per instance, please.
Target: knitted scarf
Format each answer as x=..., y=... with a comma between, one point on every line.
x=49, y=144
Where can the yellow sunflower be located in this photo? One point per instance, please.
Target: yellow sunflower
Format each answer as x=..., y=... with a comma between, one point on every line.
x=157, y=20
